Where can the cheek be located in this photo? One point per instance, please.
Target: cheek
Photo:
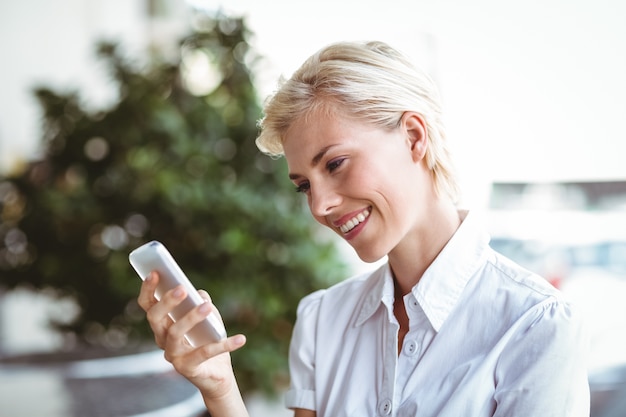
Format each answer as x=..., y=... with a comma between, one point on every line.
x=361, y=179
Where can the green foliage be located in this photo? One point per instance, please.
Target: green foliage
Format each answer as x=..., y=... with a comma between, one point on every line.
x=178, y=167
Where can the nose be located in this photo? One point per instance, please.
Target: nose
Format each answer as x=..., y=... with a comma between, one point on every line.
x=323, y=198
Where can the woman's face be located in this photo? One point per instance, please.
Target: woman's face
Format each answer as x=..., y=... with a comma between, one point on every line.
x=363, y=182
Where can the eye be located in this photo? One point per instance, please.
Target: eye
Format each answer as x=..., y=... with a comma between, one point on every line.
x=334, y=164
x=303, y=187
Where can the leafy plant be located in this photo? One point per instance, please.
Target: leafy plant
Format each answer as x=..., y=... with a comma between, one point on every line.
x=176, y=162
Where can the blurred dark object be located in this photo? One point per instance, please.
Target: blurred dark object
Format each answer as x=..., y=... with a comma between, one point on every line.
x=174, y=160
x=608, y=392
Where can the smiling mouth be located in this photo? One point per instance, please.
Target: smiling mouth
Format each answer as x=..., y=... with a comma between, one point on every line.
x=355, y=221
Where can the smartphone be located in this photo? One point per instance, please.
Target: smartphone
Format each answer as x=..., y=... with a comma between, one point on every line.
x=153, y=256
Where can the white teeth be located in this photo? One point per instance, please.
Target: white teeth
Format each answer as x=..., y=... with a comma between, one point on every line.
x=353, y=222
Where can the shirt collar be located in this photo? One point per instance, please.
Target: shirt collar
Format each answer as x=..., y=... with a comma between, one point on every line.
x=440, y=287
x=379, y=289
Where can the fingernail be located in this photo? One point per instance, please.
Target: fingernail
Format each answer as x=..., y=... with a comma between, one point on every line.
x=204, y=307
x=178, y=292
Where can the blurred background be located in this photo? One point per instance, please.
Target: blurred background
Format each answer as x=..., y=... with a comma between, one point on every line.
x=123, y=121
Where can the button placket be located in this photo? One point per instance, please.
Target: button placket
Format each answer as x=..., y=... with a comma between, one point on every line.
x=390, y=362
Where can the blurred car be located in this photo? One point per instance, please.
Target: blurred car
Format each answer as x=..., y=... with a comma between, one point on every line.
x=549, y=260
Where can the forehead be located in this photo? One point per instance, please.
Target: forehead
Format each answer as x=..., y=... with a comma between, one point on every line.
x=315, y=131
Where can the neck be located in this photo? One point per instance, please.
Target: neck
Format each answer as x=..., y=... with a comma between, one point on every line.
x=410, y=259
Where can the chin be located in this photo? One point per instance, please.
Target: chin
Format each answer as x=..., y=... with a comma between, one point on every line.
x=370, y=257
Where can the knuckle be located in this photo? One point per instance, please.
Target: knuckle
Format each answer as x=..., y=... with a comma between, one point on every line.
x=207, y=352
x=150, y=315
x=214, y=349
x=181, y=364
x=142, y=301
x=175, y=331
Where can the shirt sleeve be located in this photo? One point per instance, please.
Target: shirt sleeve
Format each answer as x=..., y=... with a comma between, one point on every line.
x=301, y=393
x=543, y=369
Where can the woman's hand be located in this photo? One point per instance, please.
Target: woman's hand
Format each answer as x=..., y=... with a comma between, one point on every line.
x=208, y=367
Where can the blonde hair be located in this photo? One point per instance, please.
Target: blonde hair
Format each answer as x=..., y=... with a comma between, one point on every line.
x=369, y=81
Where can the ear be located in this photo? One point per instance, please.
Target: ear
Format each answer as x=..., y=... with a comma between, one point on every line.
x=417, y=134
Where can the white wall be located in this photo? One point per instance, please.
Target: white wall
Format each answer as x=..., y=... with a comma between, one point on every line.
x=533, y=90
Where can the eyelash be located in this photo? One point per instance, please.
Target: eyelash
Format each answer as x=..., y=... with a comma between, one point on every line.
x=303, y=187
x=334, y=164
x=331, y=166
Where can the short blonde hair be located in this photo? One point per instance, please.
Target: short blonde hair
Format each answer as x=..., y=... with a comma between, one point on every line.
x=368, y=81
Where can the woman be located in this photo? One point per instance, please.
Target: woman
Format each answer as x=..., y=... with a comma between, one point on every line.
x=447, y=327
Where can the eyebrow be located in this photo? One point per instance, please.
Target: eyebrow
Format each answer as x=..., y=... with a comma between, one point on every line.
x=314, y=161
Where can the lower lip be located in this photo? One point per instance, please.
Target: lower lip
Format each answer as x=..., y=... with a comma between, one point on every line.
x=354, y=232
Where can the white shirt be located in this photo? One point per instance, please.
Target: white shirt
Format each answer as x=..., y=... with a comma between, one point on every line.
x=486, y=338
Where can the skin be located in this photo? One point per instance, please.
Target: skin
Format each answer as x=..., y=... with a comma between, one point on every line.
x=207, y=367
x=344, y=167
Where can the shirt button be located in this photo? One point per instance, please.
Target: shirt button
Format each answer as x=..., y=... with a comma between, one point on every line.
x=410, y=347
x=384, y=408
x=413, y=303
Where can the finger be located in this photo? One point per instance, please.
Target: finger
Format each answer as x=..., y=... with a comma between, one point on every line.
x=186, y=364
x=205, y=295
x=230, y=344
x=176, y=341
x=146, y=298
x=158, y=315
x=161, y=309
x=160, y=332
